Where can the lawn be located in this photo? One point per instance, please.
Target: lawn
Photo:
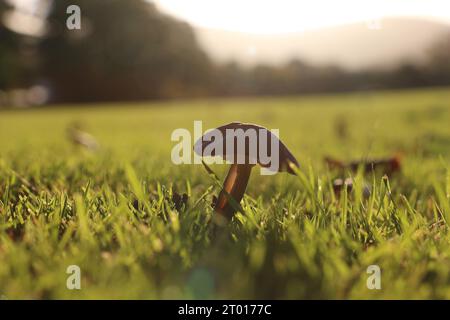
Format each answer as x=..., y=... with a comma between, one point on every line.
x=112, y=211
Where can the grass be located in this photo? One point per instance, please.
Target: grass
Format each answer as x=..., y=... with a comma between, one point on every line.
x=112, y=213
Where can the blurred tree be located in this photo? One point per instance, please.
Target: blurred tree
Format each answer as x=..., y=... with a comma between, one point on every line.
x=125, y=50
x=128, y=50
x=19, y=54
x=10, y=68
x=439, y=61
x=407, y=75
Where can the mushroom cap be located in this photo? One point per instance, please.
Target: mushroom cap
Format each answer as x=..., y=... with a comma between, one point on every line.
x=248, y=155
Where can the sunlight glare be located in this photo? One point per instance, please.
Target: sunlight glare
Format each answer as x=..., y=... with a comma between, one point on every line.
x=281, y=16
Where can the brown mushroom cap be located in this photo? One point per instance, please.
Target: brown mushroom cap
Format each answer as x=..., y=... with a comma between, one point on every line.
x=285, y=156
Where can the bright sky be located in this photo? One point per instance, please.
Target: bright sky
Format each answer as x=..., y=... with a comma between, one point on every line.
x=281, y=16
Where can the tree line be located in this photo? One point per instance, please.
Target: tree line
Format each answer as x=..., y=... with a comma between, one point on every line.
x=128, y=50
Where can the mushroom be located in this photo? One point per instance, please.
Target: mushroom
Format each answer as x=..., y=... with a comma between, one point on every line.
x=237, y=178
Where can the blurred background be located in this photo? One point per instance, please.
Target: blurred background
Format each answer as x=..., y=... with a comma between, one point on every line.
x=131, y=50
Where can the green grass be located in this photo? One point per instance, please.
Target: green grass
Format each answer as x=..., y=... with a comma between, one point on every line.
x=111, y=211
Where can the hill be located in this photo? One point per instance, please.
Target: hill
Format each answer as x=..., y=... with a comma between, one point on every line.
x=353, y=46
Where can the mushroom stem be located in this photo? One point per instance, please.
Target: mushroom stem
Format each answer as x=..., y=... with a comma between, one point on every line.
x=235, y=184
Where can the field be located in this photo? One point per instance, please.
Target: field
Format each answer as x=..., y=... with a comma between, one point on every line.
x=112, y=211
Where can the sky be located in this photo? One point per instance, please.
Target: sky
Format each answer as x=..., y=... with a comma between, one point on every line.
x=285, y=16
